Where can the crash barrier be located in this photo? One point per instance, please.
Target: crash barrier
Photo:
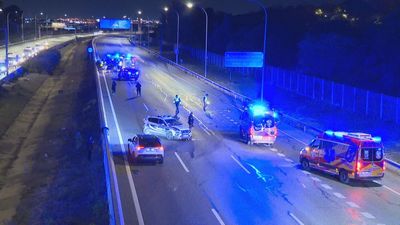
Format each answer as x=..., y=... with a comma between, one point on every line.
x=288, y=119
x=364, y=102
x=111, y=181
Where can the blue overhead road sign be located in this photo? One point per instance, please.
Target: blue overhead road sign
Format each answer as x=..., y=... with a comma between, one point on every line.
x=244, y=59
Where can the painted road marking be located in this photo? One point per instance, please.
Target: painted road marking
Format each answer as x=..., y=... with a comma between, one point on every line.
x=327, y=187
x=315, y=179
x=240, y=164
x=352, y=204
x=127, y=168
x=298, y=221
x=281, y=154
x=305, y=172
x=221, y=222
x=182, y=163
x=147, y=109
x=390, y=189
x=339, y=195
x=293, y=137
x=367, y=215
x=304, y=186
x=289, y=160
x=272, y=149
x=114, y=174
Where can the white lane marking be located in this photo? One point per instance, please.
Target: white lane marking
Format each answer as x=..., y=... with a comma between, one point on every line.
x=127, y=168
x=240, y=164
x=390, y=189
x=315, y=179
x=147, y=109
x=281, y=154
x=305, y=172
x=114, y=174
x=304, y=186
x=289, y=160
x=231, y=120
x=221, y=222
x=327, y=187
x=182, y=163
x=352, y=204
x=338, y=195
x=298, y=221
x=292, y=137
x=273, y=149
x=368, y=215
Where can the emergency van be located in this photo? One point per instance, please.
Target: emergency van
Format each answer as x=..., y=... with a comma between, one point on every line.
x=258, y=124
x=356, y=156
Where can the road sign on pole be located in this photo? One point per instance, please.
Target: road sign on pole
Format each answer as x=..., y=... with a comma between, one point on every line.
x=244, y=59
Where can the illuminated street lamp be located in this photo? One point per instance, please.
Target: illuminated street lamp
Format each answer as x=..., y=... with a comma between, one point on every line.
x=191, y=5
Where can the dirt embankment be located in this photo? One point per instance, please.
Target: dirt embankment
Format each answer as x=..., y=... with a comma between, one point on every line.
x=46, y=174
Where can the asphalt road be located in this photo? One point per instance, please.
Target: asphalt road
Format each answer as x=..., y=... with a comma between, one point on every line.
x=215, y=178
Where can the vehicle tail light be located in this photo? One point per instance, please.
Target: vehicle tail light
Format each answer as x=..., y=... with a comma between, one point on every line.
x=161, y=148
x=252, y=130
x=139, y=147
x=358, y=166
x=384, y=165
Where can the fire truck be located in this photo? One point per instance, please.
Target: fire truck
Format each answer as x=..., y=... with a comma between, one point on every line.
x=358, y=156
x=258, y=124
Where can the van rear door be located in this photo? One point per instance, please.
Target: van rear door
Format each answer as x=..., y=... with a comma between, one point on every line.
x=370, y=162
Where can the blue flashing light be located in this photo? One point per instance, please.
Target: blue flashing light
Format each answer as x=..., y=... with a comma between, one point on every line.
x=339, y=134
x=275, y=115
x=109, y=55
x=258, y=110
x=329, y=132
x=137, y=72
x=128, y=56
x=377, y=139
x=90, y=50
x=3, y=68
x=116, y=55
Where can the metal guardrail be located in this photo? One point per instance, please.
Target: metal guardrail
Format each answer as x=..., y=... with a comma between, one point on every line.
x=110, y=185
x=288, y=119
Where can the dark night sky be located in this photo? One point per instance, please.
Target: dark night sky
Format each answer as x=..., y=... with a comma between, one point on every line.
x=151, y=8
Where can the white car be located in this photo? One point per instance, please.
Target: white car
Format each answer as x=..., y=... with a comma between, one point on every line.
x=166, y=126
x=13, y=60
x=29, y=52
x=145, y=147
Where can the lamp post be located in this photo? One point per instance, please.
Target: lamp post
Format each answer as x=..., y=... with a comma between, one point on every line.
x=177, y=35
x=22, y=26
x=264, y=43
x=191, y=5
x=140, y=27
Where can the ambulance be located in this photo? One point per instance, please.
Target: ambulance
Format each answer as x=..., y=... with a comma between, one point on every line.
x=258, y=124
x=357, y=156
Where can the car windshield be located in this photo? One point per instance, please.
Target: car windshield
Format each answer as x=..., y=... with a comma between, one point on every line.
x=173, y=122
x=149, y=141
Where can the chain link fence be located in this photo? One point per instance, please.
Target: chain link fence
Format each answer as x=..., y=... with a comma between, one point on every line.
x=356, y=100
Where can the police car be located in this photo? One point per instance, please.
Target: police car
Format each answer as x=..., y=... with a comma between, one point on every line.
x=128, y=73
x=166, y=126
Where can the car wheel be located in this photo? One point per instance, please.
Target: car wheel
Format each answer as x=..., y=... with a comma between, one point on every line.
x=161, y=161
x=305, y=164
x=170, y=136
x=344, y=176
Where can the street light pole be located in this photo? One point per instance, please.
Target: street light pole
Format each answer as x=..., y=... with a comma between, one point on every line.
x=177, y=35
x=7, y=41
x=35, y=27
x=22, y=26
x=264, y=43
x=190, y=5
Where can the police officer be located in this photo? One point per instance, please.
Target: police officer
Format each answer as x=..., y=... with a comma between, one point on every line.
x=138, y=89
x=191, y=120
x=205, y=102
x=113, y=86
x=177, y=102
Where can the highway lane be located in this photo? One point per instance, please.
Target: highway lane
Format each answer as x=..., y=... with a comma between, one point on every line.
x=246, y=184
